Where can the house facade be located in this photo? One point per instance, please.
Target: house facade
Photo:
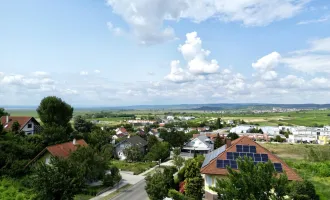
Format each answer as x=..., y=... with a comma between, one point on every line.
x=62, y=150
x=201, y=144
x=130, y=141
x=214, y=165
x=27, y=124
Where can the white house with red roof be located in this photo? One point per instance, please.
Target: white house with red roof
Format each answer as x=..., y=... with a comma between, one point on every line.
x=62, y=150
x=27, y=124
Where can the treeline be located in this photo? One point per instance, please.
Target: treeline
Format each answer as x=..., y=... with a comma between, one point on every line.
x=104, y=114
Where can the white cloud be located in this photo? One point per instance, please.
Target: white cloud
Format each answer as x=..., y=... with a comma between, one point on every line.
x=97, y=71
x=292, y=81
x=146, y=18
x=315, y=21
x=115, y=30
x=177, y=74
x=84, y=73
x=151, y=73
x=195, y=55
x=41, y=74
x=265, y=66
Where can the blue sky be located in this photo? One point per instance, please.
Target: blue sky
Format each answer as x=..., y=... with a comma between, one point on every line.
x=129, y=52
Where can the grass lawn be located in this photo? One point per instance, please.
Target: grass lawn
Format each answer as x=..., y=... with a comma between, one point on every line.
x=113, y=194
x=137, y=167
x=295, y=156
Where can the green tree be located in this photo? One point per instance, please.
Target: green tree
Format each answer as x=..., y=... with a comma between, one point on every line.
x=252, y=182
x=3, y=112
x=152, y=140
x=303, y=190
x=178, y=161
x=133, y=154
x=53, y=111
x=218, y=142
x=82, y=126
x=194, y=187
x=156, y=186
x=159, y=151
x=55, y=134
x=218, y=124
x=112, y=178
x=61, y=180
x=99, y=138
x=174, y=138
x=232, y=136
x=92, y=163
x=15, y=127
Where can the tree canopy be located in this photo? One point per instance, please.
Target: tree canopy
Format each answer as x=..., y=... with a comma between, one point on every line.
x=54, y=111
x=232, y=136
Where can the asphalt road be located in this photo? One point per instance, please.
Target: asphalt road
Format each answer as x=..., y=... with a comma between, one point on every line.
x=136, y=192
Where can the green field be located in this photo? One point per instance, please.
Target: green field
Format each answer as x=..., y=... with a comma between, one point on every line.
x=296, y=156
x=301, y=118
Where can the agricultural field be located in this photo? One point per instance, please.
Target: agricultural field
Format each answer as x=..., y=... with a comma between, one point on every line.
x=312, y=162
x=300, y=118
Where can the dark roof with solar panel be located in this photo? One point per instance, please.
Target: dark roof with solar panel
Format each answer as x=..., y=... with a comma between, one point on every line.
x=217, y=161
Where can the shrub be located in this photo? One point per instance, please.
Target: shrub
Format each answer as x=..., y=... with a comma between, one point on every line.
x=176, y=195
x=303, y=190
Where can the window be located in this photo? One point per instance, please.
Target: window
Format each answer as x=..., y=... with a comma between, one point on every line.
x=29, y=125
x=208, y=180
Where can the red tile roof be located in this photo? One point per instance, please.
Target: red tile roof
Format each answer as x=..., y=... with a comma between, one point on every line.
x=212, y=169
x=21, y=120
x=63, y=150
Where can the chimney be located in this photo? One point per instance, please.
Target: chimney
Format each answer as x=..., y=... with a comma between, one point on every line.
x=228, y=143
x=7, y=119
x=74, y=141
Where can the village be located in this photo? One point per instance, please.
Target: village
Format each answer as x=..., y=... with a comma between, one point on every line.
x=139, y=150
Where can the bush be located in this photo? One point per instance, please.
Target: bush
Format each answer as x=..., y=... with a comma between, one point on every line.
x=176, y=195
x=303, y=190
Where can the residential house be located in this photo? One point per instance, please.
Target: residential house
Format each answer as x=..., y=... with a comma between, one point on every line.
x=201, y=144
x=27, y=124
x=214, y=165
x=59, y=150
x=141, y=122
x=121, y=131
x=270, y=130
x=136, y=141
x=242, y=129
x=154, y=132
x=170, y=118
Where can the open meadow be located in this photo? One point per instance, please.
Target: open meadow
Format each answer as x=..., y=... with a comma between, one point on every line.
x=312, y=162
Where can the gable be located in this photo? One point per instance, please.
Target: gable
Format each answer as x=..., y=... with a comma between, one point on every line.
x=196, y=142
x=211, y=167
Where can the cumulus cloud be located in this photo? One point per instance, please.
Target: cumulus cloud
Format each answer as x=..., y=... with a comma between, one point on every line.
x=84, y=73
x=265, y=66
x=17, y=80
x=177, y=74
x=146, y=18
x=195, y=55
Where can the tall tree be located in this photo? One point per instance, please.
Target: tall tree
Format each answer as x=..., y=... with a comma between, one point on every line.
x=252, y=182
x=177, y=159
x=194, y=187
x=54, y=111
x=232, y=136
x=152, y=140
x=81, y=125
x=159, y=151
x=218, y=142
x=174, y=138
x=156, y=186
x=218, y=124
x=3, y=112
x=133, y=154
x=15, y=127
x=62, y=179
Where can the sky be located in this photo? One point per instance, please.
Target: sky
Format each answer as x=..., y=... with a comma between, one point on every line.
x=161, y=52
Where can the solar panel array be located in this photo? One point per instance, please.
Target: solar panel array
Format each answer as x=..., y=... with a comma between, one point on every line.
x=248, y=151
x=257, y=157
